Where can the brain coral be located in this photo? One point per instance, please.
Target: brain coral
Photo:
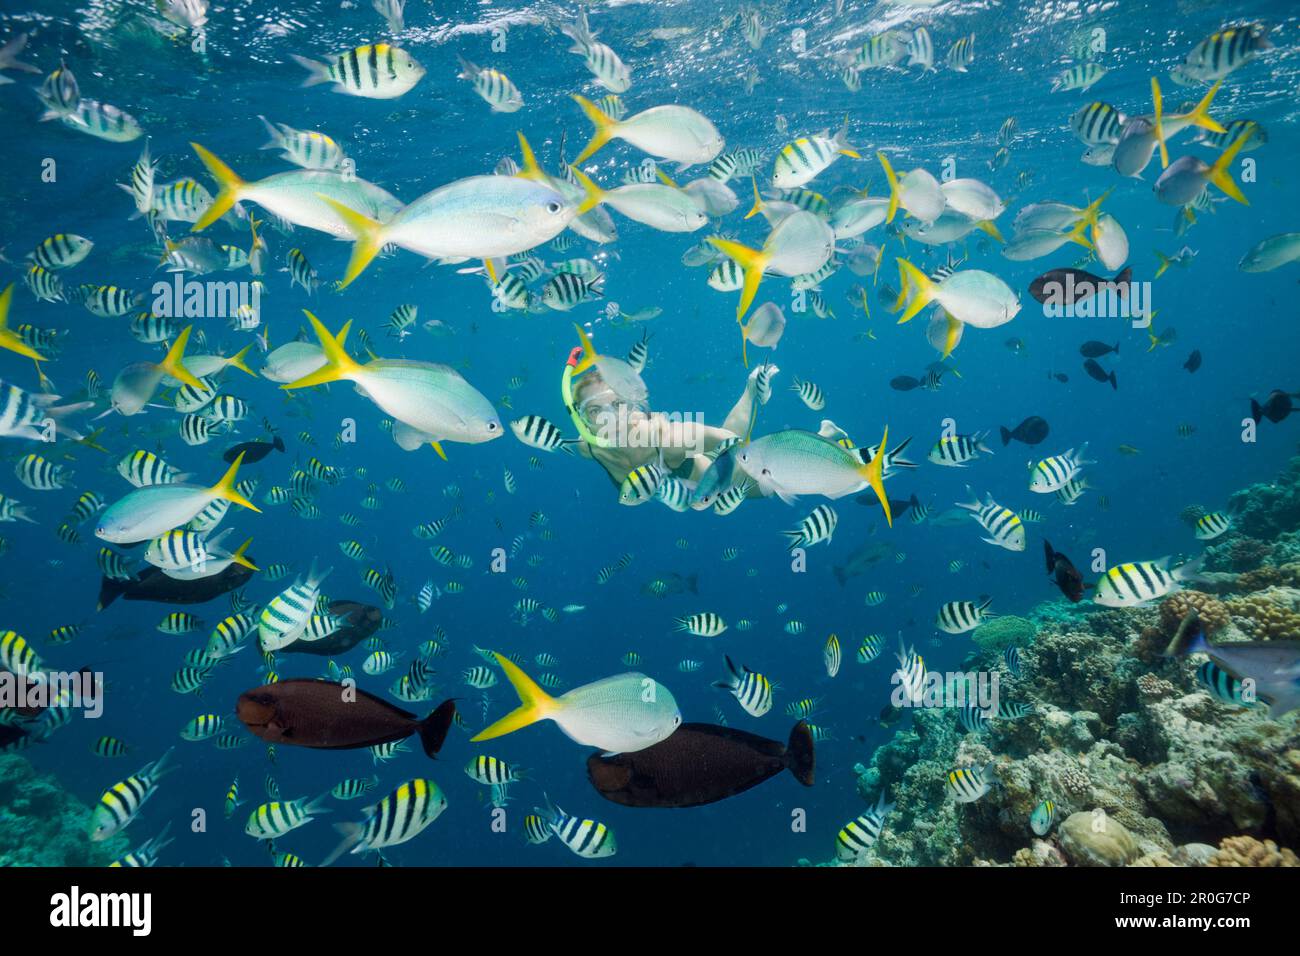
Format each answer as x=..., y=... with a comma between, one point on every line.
x=1264, y=618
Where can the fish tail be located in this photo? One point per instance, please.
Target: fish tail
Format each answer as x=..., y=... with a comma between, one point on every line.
x=1164, y=264
x=604, y=124
x=752, y=261
x=317, y=72
x=171, y=364
x=594, y=194
x=951, y=336
x=799, y=754
x=893, y=186
x=8, y=339
x=229, y=186
x=872, y=471
x=237, y=360
x=1200, y=114
x=368, y=236
x=338, y=363
x=755, y=209
x=225, y=488
x=989, y=227
x=238, y=557
x=534, y=703
x=1189, y=638
x=1157, y=126
x=1220, y=176
x=914, y=279
x=529, y=168
x=433, y=729
x=351, y=837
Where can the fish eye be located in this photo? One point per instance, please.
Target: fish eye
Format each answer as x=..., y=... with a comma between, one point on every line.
x=553, y=207
x=492, y=426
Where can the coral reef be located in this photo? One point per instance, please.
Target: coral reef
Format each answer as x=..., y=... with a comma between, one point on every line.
x=1144, y=765
x=41, y=824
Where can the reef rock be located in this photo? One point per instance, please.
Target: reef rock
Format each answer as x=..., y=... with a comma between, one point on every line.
x=1093, y=838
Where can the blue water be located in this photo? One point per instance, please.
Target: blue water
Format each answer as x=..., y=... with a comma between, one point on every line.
x=1242, y=324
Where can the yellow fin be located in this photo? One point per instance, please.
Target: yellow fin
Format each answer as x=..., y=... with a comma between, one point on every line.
x=873, y=472
x=1219, y=174
x=225, y=488
x=1157, y=104
x=951, y=333
x=989, y=227
x=604, y=128
x=338, y=363
x=171, y=364
x=229, y=187
x=665, y=178
x=755, y=209
x=530, y=169
x=893, y=186
x=594, y=194
x=752, y=261
x=534, y=703
x=367, y=233
x=237, y=360
x=1200, y=114
x=437, y=446
x=10, y=340
x=923, y=289
x=238, y=557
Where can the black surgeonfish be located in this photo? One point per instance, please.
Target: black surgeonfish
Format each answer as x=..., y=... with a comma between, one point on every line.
x=1069, y=286
x=699, y=764
x=253, y=450
x=326, y=715
x=153, y=585
x=1064, y=573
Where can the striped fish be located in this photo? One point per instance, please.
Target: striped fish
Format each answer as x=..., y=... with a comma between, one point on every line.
x=39, y=474
x=961, y=54
x=831, y=655
x=278, y=817
x=1139, y=583
x=401, y=816
x=1072, y=491
x=1224, y=686
x=817, y=527
x=704, y=624
x=1055, y=472
x=588, y=839
x=121, y=802
x=1220, y=53
x=61, y=251
x=858, y=835
x=536, y=830
x=493, y=86
x=603, y=63
x=958, y=617
x=870, y=648
x=1210, y=526
x=1097, y=124
x=810, y=394
x=17, y=656
x=353, y=788
x=102, y=121
x=491, y=771
x=802, y=160
x=911, y=674
x=1078, y=77
x=375, y=71
x=641, y=484
x=1012, y=658
x=305, y=148
x=751, y=689
x=283, y=620
x=957, y=451
x=1004, y=526
x=967, y=785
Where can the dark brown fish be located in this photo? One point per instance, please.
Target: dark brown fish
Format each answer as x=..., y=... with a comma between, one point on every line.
x=153, y=585
x=699, y=764
x=253, y=450
x=1031, y=431
x=1068, y=286
x=1276, y=407
x=328, y=716
x=1064, y=573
